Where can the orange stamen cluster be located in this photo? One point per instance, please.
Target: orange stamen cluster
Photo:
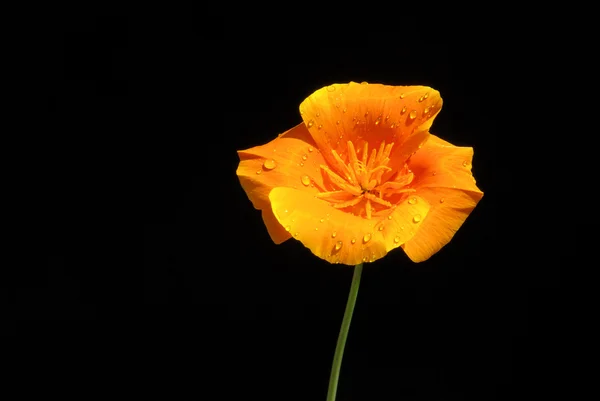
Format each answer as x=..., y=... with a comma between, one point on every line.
x=362, y=180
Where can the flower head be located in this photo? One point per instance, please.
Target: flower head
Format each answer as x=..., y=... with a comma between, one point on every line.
x=362, y=175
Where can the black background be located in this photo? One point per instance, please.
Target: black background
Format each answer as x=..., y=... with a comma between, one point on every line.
x=156, y=109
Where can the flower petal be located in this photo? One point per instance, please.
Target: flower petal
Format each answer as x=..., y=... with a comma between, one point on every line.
x=370, y=112
x=440, y=164
x=275, y=230
x=291, y=160
x=443, y=177
x=341, y=237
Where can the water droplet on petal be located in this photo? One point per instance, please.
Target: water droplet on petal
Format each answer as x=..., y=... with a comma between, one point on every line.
x=412, y=200
x=417, y=218
x=320, y=126
x=338, y=245
x=397, y=239
x=318, y=114
x=259, y=172
x=345, y=110
x=421, y=99
x=334, y=234
x=310, y=123
x=364, y=83
x=425, y=96
x=402, y=96
x=269, y=164
x=304, y=156
x=310, y=149
x=331, y=88
x=442, y=200
x=380, y=228
x=353, y=240
x=389, y=217
x=288, y=228
x=426, y=111
x=367, y=238
x=322, y=220
x=316, y=228
x=305, y=180
x=412, y=115
x=434, y=173
x=403, y=110
x=378, y=121
x=465, y=163
x=295, y=234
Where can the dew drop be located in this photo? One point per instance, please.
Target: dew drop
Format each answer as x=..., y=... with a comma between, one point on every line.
x=403, y=110
x=353, y=240
x=421, y=99
x=310, y=123
x=301, y=164
x=320, y=126
x=387, y=118
x=442, y=200
x=304, y=156
x=465, y=163
x=393, y=125
x=364, y=83
x=316, y=228
x=417, y=218
x=288, y=228
x=396, y=240
x=310, y=149
x=412, y=115
x=331, y=88
x=380, y=228
x=402, y=96
x=365, y=258
x=259, y=172
x=338, y=122
x=295, y=234
x=334, y=234
x=322, y=220
x=318, y=114
x=434, y=173
x=412, y=200
x=378, y=121
x=345, y=110
x=367, y=238
x=426, y=111
x=389, y=217
x=425, y=96
x=269, y=164
x=305, y=180
x=338, y=245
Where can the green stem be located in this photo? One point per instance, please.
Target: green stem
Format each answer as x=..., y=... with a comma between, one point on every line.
x=341, y=343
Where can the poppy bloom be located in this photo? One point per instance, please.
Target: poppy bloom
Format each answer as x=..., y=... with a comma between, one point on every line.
x=362, y=175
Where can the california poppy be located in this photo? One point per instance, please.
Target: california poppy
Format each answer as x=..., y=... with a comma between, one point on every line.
x=362, y=175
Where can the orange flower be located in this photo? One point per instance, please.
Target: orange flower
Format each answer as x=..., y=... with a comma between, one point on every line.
x=362, y=175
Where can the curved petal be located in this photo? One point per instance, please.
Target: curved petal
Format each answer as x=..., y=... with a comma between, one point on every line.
x=373, y=113
x=440, y=164
x=275, y=230
x=291, y=160
x=443, y=177
x=340, y=237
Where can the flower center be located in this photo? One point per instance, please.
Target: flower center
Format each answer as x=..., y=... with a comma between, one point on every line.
x=361, y=181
